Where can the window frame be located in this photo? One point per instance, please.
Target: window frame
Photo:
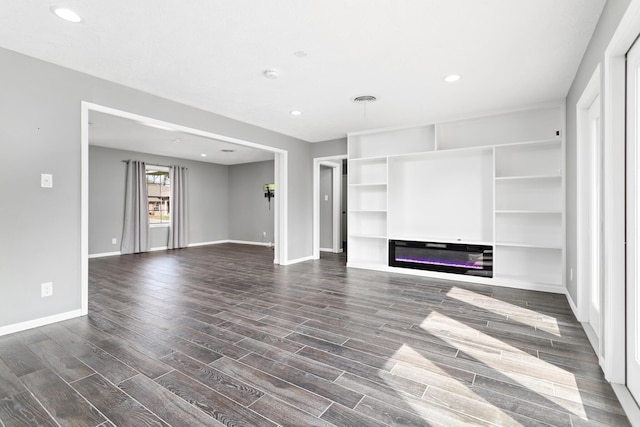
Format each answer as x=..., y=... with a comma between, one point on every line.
x=158, y=168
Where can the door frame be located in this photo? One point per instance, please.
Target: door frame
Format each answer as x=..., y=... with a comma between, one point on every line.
x=614, y=144
x=584, y=226
x=334, y=162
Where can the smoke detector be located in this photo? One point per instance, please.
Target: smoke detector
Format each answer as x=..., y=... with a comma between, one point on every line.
x=271, y=74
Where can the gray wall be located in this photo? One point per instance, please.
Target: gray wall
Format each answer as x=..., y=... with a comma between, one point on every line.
x=207, y=197
x=326, y=207
x=335, y=147
x=40, y=133
x=609, y=20
x=249, y=212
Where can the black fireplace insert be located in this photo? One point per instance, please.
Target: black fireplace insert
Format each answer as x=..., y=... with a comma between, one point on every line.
x=457, y=258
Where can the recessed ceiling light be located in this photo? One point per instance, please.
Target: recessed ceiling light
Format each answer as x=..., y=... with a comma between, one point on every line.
x=66, y=14
x=177, y=141
x=295, y=113
x=300, y=53
x=271, y=73
x=203, y=155
x=452, y=78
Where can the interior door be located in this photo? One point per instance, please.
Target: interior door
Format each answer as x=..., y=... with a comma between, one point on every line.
x=633, y=229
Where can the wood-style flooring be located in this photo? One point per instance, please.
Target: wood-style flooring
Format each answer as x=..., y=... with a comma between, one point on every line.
x=219, y=335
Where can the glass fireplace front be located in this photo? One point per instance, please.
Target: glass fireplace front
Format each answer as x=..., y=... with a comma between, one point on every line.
x=458, y=258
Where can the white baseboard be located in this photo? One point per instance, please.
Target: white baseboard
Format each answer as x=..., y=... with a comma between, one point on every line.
x=245, y=242
x=295, y=261
x=331, y=250
x=159, y=248
x=215, y=242
x=35, y=323
x=104, y=254
x=631, y=408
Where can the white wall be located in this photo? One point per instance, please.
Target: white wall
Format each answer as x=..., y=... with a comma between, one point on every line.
x=593, y=56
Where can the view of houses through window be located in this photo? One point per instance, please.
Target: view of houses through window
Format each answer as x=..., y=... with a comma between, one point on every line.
x=158, y=190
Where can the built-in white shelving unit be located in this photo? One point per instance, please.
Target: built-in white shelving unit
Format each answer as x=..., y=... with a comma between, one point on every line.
x=496, y=180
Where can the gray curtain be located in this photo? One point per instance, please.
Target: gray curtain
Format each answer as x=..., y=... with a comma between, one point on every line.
x=178, y=224
x=135, y=235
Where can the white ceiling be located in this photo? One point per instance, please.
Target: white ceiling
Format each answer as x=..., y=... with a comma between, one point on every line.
x=111, y=131
x=212, y=54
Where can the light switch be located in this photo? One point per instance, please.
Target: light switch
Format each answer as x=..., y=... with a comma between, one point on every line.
x=46, y=180
x=326, y=197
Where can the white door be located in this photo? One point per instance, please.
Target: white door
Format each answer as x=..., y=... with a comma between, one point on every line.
x=595, y=216
x=633, y=215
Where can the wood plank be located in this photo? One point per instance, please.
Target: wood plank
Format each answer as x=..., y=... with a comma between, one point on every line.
x=23, y=410
x=117, y=406
x=60, y=360
x=166, y=405
x=214, y=379
x=212, y=403
x=269, y=384
x=60, y=400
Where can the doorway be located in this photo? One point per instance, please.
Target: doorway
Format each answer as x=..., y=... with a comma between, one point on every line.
x=280, y=178
x=329, y=210
x=633, y=223
x=590, y=216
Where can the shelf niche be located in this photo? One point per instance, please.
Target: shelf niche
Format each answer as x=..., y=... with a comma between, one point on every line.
x=442, y=196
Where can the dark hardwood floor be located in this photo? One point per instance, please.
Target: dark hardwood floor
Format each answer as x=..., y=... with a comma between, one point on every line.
x=218, y=335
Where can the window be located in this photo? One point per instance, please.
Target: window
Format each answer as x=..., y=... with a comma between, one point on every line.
x=158, y=190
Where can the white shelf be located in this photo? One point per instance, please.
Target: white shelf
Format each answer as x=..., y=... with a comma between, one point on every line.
x=367, y=171
x=372, y=184
x=495, y=181
x=529, y=178
x=368, y=236
x=526, y=211
x=528, y=245
x=440, y=240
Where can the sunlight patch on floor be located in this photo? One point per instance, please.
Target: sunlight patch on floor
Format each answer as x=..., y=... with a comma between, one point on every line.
x=517, y=367
x=510, y=311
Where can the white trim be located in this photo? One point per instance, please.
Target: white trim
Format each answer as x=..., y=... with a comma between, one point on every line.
x=614, y=363
x=159, y=248
x=495, y=281
x=326, y=249
x=336, y=179
x=590, y=93
x=629, y=405
x=215, y=242
x=296, y=261
x=35, y=323
x=84, y=208
x=104, y=254
x=247, y=242
x=572, y=304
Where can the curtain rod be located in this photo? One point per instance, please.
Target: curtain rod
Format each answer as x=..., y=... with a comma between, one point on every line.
x=155, y=164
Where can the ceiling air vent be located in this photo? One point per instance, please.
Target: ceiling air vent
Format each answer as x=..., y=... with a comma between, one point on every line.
x=364, y=98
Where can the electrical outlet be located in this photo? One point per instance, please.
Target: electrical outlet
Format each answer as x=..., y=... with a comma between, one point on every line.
x=571, y=274
x=264, y=234
x=46, y=289
x=114, y=241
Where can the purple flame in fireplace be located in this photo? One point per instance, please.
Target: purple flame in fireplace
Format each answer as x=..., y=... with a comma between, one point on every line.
x=441, y=262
